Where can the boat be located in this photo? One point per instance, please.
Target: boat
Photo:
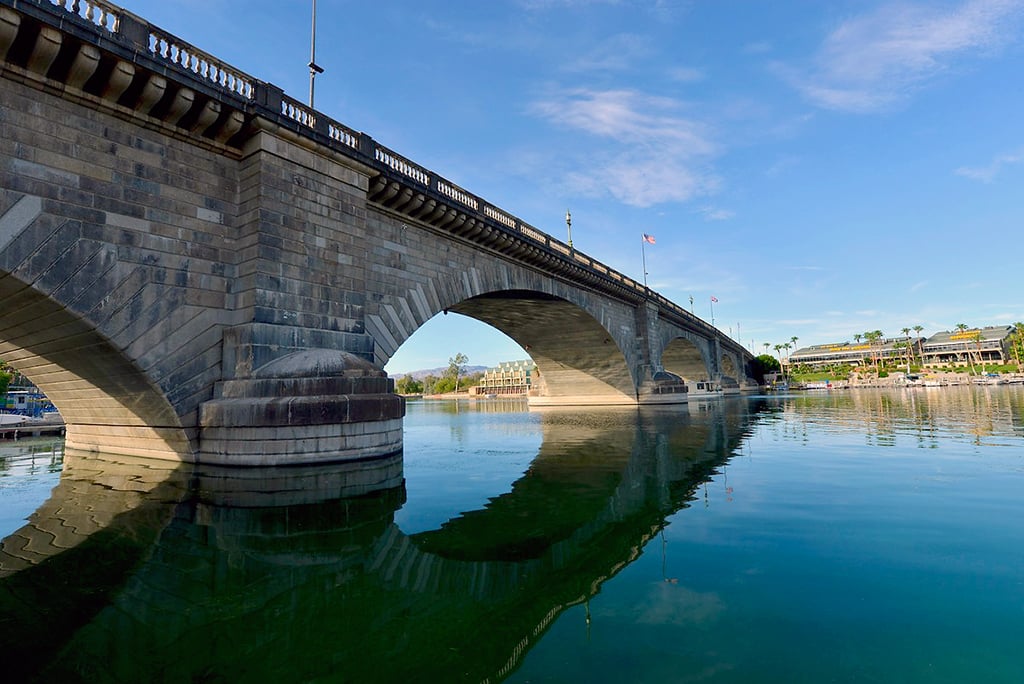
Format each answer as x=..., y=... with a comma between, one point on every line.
x=702, y=389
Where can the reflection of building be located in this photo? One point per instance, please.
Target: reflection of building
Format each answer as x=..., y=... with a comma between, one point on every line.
x=978, y=345
x=508, y=377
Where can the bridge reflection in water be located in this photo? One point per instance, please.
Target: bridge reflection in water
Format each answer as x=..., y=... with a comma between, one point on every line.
x=132, y=572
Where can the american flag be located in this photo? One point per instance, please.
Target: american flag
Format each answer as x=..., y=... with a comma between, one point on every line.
x=649, y=239
x=714, y=298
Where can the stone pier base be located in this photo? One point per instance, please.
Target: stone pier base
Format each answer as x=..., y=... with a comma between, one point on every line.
x=314, y=406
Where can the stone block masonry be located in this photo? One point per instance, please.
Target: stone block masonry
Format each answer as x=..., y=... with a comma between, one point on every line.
x=195, y=267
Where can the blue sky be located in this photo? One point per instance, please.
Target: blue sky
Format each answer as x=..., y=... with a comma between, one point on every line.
x=822, y=168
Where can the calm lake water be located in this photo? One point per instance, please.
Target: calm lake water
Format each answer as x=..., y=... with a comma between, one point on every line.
x=867, y=536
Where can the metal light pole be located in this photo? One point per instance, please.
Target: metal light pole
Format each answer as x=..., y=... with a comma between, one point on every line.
x=568, y=223
x=314, y=69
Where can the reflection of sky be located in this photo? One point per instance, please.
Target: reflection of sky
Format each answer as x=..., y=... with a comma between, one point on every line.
x=29, y=469
x=472, y=456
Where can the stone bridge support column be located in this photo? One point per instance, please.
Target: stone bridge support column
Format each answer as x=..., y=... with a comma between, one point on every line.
x=307, y=407
x=655, y=386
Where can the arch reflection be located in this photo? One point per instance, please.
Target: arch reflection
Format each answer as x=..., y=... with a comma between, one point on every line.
x=184, y=575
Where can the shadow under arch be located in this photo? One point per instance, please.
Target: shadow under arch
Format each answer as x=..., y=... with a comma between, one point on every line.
x=285, y=589
x=108, y=403
x=729, y=367
x=684, y=358
x=578, y=359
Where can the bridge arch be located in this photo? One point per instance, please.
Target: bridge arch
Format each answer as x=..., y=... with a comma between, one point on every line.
x=579, y=360
x=689, y=358
x=106, y=400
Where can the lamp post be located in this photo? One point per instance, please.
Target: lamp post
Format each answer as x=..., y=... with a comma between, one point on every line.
x=314, y=68
x=568, y=223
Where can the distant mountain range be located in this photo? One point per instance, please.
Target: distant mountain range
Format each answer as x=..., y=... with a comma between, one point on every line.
x=437, y=372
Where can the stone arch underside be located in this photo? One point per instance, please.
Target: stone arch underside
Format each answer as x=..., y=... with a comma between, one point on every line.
x=729, y=366
x=683, y=358
x=107, y=402
x=578, y=360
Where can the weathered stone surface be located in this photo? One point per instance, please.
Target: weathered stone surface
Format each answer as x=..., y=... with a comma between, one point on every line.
x=187, y=272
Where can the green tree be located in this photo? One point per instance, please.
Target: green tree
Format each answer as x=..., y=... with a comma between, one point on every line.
x=920, y=342
x=873, y=337
x=765, y=363
x=445, y=385
x=408, y=385
x=1017, y=344
x=961, y=329
x=977, y=338
x=472, y=380
x=456, y=368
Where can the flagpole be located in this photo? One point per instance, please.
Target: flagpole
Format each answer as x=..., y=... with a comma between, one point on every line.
x=314, y=68
x=643, y=257
x=712, y=302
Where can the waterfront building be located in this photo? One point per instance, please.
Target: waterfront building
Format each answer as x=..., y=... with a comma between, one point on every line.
x=990, y=344
x=885, y=350
x=507, y=378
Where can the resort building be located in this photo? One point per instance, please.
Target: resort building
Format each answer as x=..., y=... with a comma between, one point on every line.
x=507, y=378
x=990, y=344
x=853, y=354
x=962, y=347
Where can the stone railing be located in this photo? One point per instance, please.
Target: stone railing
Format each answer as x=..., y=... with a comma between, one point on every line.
x=101, y=13
x=235, y=84
x=206, y=67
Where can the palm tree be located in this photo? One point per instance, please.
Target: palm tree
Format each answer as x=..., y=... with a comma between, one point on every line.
x=793, y=339
x=961, y=328
x=767, y=346
x=977, y=338
x=778, y=352
x=920, y=342
x=906, y=333
x=873, y=336
x=1018, y=342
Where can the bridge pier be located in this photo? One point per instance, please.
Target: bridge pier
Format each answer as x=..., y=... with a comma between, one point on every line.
x=307, y=407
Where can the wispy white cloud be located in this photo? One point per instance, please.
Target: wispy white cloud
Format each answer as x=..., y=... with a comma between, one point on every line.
x=651, y=152
x=717, y=214
x=987, y=174
x=616, y=53
x=683, y=74
x=873, y=62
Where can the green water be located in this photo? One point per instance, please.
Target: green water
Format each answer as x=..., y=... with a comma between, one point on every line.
x=830, y=537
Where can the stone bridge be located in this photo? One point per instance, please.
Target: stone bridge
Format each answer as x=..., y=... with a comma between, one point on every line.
x=195, y=266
